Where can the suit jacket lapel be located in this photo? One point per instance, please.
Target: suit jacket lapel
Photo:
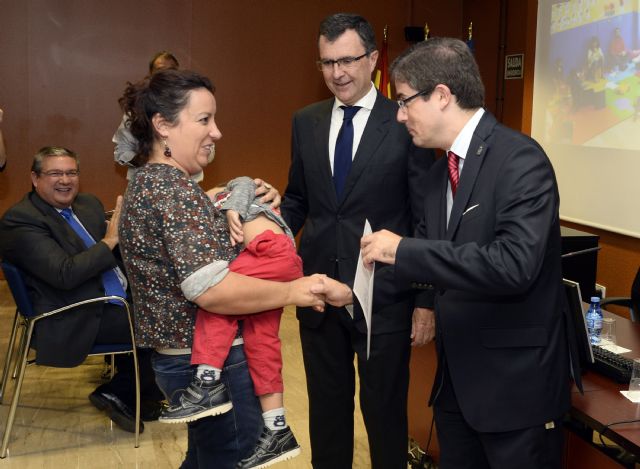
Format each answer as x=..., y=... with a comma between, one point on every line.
x=88, y=220
x=374, y=133
x=472, y=164
x=59, y=225
x=321, y=136
x=437, y=208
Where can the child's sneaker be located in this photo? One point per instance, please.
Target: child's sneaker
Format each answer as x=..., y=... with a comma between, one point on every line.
x=200, y=399
x=273, y=447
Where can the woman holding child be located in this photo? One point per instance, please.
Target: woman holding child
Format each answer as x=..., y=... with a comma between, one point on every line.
x=176, y=248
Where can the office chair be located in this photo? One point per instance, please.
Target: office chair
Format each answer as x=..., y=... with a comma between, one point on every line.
x=27, y=317
x=632, y=302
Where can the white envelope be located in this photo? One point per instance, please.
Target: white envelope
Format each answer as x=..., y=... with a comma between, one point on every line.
x=363, y=287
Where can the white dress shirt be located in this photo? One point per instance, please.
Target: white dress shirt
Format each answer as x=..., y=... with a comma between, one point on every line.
x=359, y=121
x=460, y=147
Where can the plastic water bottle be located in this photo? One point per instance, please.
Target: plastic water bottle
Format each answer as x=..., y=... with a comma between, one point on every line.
x=594, y=320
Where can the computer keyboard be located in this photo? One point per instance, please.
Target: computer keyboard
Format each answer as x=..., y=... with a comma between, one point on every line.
x=612, y=365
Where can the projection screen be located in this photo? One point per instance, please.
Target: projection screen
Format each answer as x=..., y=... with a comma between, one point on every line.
x=586, y=108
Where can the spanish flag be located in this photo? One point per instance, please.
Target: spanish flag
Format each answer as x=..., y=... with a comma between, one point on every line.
x=382, y=73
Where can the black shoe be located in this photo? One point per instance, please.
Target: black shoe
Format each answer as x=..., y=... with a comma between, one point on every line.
x=200, y=399
x=273, y=447
x=150, y=411
x=117, y=410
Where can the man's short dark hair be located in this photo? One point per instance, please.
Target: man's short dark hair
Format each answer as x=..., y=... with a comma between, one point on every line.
x=333, y=26
x=441, y=60
x=46, y=152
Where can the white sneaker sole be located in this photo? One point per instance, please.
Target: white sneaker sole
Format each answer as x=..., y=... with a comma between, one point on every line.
x=283, y=457
x=221, y=409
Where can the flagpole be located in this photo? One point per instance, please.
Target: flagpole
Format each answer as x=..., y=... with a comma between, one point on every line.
x=470, y=42
x=382, y=73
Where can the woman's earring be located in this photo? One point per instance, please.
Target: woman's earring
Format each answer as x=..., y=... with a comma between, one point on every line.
x=167, y=150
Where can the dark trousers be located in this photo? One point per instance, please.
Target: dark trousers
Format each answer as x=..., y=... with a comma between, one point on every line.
x=328, y=353
x=461, y=447
x=114, y=329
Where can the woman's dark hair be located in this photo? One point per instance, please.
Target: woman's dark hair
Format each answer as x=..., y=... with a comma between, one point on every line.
x=166, y=93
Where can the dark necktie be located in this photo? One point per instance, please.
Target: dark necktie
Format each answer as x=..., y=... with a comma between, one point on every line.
x=110, y=280
x=342, y=157
x=454, y=177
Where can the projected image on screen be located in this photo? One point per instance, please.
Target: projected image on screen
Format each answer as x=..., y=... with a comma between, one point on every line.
x=594, y=58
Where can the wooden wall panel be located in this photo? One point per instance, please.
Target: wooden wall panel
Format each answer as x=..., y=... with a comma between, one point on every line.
x=14, y=99
x=485, y=16
x=64, y=63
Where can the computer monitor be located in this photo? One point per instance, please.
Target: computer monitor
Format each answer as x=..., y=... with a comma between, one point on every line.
x=574, y=299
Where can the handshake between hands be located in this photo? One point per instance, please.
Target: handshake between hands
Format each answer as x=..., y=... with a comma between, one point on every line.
x=317, y=290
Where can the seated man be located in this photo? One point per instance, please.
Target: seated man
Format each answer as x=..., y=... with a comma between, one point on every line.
x=60, y=240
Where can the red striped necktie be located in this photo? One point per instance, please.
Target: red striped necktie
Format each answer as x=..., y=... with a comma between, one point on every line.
x=454, y=176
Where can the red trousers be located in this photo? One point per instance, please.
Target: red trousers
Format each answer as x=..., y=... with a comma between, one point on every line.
x=269, y=256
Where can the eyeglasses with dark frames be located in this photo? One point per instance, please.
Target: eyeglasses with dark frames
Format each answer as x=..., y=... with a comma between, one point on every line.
x=342, y=62
x=402, y=103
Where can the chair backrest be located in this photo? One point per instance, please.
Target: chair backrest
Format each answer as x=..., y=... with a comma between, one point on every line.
x=18, y=289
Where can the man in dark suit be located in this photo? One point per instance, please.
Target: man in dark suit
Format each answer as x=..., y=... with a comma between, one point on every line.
x=382, y=180
x=60, y=269
x=488, y=255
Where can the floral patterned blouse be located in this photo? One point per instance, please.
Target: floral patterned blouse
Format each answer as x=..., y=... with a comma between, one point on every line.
x=175, y=244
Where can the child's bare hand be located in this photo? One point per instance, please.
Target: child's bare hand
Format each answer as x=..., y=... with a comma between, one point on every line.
x=235, y=227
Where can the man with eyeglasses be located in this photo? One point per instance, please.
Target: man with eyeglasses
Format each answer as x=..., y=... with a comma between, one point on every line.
x=351, y=162
x=490, y=252
x=67, y=252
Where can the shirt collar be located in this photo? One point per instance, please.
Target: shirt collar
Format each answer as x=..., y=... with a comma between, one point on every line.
x=463, y=140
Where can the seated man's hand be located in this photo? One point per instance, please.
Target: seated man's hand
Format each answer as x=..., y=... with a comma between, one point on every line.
x=268, y=193
x=111, y=236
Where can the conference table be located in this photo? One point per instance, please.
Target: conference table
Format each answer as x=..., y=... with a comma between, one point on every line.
x=602, y=405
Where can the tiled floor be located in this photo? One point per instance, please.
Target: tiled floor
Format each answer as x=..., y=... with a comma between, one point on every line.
x=57, y=427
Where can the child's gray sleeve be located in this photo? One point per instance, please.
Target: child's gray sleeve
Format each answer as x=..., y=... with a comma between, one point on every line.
x=243, y=192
